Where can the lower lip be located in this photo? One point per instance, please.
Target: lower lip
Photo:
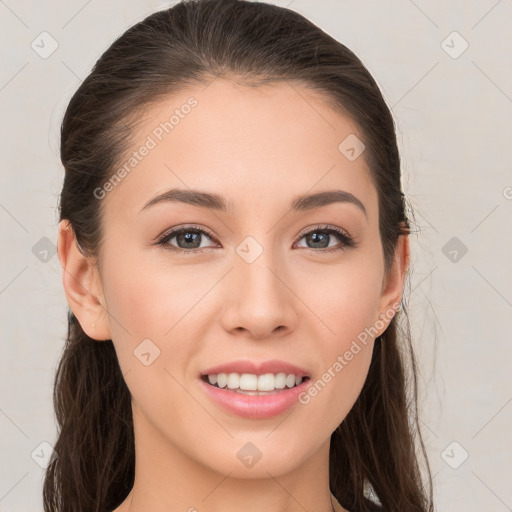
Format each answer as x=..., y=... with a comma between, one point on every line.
x=255, y=406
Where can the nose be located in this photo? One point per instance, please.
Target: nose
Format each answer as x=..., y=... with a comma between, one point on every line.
x=260, y=301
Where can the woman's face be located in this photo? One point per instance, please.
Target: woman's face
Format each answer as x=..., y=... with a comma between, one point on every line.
x=270, y=283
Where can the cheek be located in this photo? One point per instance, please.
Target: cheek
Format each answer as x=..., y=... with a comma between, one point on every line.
x=149, y=300
x=347, y=311
x=148, y=318
x=346, y=299
x=346, y=356
x=143, y=307
x=161, y=304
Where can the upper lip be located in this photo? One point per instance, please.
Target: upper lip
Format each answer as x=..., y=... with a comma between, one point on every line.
x=256, y=368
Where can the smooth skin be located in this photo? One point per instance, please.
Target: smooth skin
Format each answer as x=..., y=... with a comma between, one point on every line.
x=258, y=147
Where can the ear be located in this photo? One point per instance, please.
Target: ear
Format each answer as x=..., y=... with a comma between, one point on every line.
x=82, y=285
x=393, y=282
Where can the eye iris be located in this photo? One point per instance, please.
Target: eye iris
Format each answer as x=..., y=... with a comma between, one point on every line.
x=318, y=239
x=189, y=237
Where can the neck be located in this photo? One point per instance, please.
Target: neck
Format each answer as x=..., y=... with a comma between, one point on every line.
x=169, y=480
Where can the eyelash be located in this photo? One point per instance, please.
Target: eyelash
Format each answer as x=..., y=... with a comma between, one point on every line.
x=346, y=240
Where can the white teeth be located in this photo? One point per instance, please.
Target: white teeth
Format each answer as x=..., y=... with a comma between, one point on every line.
x=252, y=382
x=248, y=382
x=222, y=380
x=233, y=381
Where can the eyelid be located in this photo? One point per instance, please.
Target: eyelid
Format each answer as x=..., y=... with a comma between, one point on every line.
x=192, y=227
x=322, y=227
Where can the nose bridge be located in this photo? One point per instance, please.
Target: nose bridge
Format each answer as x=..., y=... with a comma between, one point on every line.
x=256, y=263
x=261, y=299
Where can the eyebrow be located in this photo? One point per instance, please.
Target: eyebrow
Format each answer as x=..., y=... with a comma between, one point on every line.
x=216, y=202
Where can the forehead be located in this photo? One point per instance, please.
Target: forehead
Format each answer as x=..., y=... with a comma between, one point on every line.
x=250, y=144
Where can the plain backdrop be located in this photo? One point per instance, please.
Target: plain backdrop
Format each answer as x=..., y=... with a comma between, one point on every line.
x=444, y=69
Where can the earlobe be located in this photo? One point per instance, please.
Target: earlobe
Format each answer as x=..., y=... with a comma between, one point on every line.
x=82, y=285
x=394, y=282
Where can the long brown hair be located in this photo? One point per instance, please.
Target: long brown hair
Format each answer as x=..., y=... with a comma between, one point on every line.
x=93, y=465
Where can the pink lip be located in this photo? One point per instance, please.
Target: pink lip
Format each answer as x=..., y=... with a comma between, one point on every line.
x=255, y=406
x=261, y=368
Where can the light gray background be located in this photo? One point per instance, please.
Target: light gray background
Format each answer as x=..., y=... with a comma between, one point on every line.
x=454, y=126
